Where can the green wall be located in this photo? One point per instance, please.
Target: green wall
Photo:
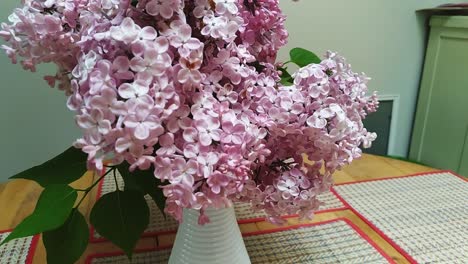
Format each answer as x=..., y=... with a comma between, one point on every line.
x=35, y=124
x=385, y=39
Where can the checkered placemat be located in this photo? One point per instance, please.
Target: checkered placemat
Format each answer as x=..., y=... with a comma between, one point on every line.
x=17, y=251
x=337, y=241
x=424, y=216
x=160, y=225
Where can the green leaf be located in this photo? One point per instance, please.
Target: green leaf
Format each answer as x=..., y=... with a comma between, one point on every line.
x=52, y=210
x=68, y=242
x=286, y=78
x=63, y=169
x=144, y=181
x=303, y=57
x=121, y=217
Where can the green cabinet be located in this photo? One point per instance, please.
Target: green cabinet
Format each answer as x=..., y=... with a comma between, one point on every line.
x=440, y=133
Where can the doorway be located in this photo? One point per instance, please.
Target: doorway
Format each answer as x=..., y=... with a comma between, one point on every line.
x=380, y=123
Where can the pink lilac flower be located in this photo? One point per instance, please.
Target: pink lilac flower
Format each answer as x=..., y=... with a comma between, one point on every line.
x=208, y=130
x=143, y=122
x=183, y=41
x=191, y=89
x=217, y=182
x=184, y=172
x=95, y=124
x=164, y=8
x=223, y=6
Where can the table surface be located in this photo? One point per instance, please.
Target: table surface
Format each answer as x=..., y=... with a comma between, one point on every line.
x=18, y=198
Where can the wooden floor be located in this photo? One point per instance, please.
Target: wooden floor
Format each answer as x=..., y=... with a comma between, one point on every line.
x=18, y=198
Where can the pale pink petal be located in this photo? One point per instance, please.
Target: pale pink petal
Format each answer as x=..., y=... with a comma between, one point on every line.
x=185, y=122
x=166, y=12
x=152, y=122
x=172, y=125
x=183, y=75
x=127, y=90
x=216, y=134
x=220, y=8
x=192, y=167
x=193, y=43
x=226, y=139
x=188, y=180
x=153, y=8
x=166, y=140
x=237, y=139
x=161, y=44
x=121, y=64
x=196, y=76
x=104, y=127
x=232, y=9
x=148, y=33
x=137, y=64
x=122, y=144
x=205, y=139
x=176, y=41
x=94, y=136
x=315, y=122
x=131, y=123
x=141, y=132
x=116, y=33
x=140, y=89
x=85, y=122
x=190, y=134
x=185, y=32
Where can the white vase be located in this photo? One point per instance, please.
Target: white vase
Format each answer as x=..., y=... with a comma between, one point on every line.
x=219, y=241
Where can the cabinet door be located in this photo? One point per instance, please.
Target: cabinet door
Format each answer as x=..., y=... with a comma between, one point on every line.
x=441, y=120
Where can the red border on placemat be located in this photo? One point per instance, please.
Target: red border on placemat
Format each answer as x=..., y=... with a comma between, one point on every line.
x=93, y=239
x=32, y=246
x=374, y=227
x=347, y=221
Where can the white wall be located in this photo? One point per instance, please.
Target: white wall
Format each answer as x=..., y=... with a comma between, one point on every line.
x=383, y=38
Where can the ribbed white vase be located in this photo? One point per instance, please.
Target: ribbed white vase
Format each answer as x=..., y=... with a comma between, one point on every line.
x=220, y=241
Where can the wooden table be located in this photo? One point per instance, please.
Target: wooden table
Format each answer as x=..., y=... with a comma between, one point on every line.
x=18, y=198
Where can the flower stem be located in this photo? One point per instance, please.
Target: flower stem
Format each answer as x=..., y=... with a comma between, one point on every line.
x=87, y=190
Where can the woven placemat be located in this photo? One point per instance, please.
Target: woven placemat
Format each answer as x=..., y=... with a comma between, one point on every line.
x=424, y=216
x=336, y=241
x=161, y=225
x=17, y=251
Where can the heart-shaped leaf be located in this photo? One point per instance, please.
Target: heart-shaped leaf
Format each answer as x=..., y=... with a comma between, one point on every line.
x=52, y=210
x=68, y=242
x=121, y=217
x=303, y=57
x=63, y=169
x=144, y=181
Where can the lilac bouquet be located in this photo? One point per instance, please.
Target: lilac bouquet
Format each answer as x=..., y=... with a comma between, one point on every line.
x=189, y=94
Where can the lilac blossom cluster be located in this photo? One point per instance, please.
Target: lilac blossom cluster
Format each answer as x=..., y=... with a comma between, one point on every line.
x=191, y=90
